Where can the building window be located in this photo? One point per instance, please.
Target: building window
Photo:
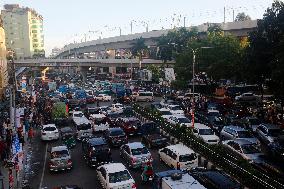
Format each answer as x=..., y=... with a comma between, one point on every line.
x=34, y=26
x=34, y=35
x=35, y=40
x=34, y=31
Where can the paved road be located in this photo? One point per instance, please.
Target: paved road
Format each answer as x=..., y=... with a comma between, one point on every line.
x=81, y=174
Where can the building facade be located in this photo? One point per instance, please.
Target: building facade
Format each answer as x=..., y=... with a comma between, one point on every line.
x=3, y=61
x=24, y=31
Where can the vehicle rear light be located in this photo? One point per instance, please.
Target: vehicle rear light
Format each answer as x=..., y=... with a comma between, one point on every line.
x=69, y=162
x=133, y=185
x=51, y=164
x=43, y=133
x=178, y=165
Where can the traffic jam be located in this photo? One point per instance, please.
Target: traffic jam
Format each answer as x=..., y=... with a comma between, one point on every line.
x=98, y=122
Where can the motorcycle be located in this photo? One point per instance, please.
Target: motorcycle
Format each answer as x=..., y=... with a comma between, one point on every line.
x=147, y=172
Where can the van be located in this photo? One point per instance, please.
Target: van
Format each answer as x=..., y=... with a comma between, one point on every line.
x=145, y=96
x=178, y=156
x=175, y=179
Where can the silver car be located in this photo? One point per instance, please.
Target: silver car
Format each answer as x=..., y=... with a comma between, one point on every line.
x=235, y=132
x=60, y=159
x=135, y=154
x=268, y=132
x=246, y=149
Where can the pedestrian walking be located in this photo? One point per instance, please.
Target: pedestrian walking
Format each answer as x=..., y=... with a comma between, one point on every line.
x=30, y=134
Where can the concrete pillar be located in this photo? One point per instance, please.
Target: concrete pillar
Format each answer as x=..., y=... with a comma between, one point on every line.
x=83, y=72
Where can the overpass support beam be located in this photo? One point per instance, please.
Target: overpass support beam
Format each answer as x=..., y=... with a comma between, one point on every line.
x=83, y=72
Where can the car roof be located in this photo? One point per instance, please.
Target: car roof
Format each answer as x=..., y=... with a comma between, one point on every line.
x=180, y=149
x=179, y=116
x=163, y=109
x=167, y=173
x=49, y=125
x=97, y=116
x=270, y=126
x=135, y=145
x=236, y=128
x=77, y=112
x=241, y=141
x=114, y=167
x=97, y=141
x=221, y=179
x=58, y=148
x=200, y=126
x=66, y=129
x=115, y=129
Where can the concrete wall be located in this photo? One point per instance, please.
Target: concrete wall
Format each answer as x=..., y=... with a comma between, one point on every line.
x=3, y=62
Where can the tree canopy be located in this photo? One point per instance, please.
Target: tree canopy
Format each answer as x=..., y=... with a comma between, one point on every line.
x=242, y=17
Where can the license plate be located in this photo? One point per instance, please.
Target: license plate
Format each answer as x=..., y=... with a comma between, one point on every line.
x=150, y=178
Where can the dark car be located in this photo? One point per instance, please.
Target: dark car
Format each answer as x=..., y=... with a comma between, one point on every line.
x=91, y=110
x=276, y=148
x=68, y=137
x=68, y=187
x=214, y=179
x=116, y=136
x=151, y=136
x=130, y=125
x=96, y=151
x=112, y=118
x=73, y=103
x=156, y=105
x=90, y=99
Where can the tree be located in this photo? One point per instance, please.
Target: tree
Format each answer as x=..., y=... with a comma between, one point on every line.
x=242, y=17
x=139, y=47
x=59, y=110
x=157, y=73
x=265, y=55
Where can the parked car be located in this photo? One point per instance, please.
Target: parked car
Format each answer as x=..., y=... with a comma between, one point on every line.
x=116, y=136
x=100, y=122
x=91, y=110
x=68, y=187
x=235, y=132
x=60, y=159
x=49, y=132
x=245, y=148
x=130, y=125
x=135, y=154
x=151, y=136
x=103, y=97
x=247, y=97
x=215, y=179
x=175, y=109
x=178, y=156
x=117, y=107
x=115, y=175
x=90, y=99
x=112, y=118
x=268, y=132
x=175, y=179
x=96, y=151
x=205, y=133
x=179, y=119
x=165, y=113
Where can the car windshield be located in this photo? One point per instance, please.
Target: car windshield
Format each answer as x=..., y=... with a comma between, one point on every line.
x=84, y=127
x=274, y=132
x=254, y=121
x=49, y=129
x=78, y=115
x=183, y=120
x=92, y=111
x=244, y=134
x=206, y=132
x=134, y=122
x=139, y=151
x=250, y=149
x=213, y=114
x=117, y=133
x=166, y=113
x=119, y=176
x=59, y=154
x=187, y=157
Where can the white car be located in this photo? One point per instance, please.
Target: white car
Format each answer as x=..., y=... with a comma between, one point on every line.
x=49, y=132
x=179, y=156
x=115, y=176
x=103, y=97
x=165, y=113
x=117, y=108
x=99, y=122
x=205, y=133
x=212, y=110
x=175, y=109
x=180, y=119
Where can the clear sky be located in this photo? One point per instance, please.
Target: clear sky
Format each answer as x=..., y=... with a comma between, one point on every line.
x=66, y=21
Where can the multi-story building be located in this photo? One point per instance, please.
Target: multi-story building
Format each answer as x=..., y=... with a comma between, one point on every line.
x=24, y=31
x=3, y=61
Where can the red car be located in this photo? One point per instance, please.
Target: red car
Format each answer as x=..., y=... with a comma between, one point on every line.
x=130, y=125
